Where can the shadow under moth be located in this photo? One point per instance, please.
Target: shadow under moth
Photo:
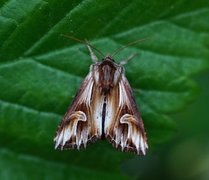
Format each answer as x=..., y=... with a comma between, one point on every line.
x=103, y=107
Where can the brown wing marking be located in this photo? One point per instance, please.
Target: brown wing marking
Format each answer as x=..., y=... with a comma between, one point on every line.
x=78, y=126
x=125, y=129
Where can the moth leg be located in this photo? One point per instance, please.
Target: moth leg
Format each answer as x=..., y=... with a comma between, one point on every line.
x=93, y=56
x=123, y=62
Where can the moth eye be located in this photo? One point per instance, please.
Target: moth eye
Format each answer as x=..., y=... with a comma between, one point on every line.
x=110, y=59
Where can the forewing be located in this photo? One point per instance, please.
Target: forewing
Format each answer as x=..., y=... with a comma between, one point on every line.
x=124, y=127
x=78, y=127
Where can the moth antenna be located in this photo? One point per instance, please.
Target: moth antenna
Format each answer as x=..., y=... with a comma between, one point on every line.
x=83, y=42
x=129, y=44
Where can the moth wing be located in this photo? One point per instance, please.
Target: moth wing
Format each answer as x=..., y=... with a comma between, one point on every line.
x=124, y=127
x=79, y=126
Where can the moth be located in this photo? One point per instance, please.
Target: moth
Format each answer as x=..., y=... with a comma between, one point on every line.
x=103, y=108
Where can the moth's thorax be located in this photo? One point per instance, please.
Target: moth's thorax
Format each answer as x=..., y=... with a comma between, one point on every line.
x=107, y=74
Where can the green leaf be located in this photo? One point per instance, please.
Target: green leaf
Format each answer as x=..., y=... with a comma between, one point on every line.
x=13, y=166
x=40, y=72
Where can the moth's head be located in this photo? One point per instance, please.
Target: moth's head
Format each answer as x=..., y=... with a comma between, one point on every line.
x=108, y=58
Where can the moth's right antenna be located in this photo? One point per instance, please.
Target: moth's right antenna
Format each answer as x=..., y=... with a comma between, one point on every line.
x=129, y=44
x=84, y=42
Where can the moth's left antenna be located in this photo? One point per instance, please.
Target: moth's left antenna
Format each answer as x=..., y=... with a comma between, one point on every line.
x=84, y=42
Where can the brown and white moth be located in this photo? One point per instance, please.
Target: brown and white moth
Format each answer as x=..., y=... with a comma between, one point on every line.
x=103, y=107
